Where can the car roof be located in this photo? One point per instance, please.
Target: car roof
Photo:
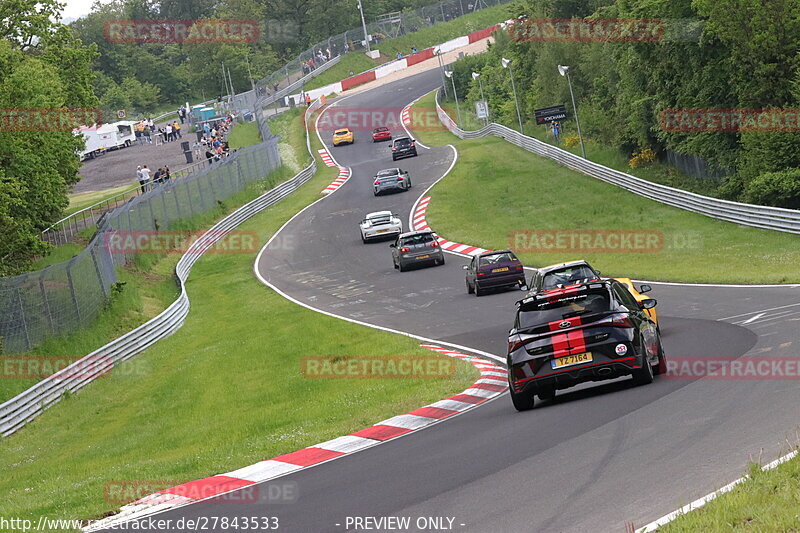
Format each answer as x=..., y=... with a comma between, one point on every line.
x=402, y=139
x=559, y=266
x=382, y=128
x=563, y=291
x=419, y=232
x=496, y=252
x=379, y=214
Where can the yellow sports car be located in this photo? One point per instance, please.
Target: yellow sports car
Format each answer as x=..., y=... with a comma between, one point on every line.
x=343, y=136
x=638, y=294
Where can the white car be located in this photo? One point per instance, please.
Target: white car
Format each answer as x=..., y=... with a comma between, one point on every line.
x=380, y=224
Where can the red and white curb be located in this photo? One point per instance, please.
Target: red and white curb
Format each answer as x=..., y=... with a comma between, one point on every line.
x=326, y=158
x=405, y=115
x=492, y=382
x=344, y=175
x=420, y=224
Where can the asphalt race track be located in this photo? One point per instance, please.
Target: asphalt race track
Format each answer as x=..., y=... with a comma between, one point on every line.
x=595, y=458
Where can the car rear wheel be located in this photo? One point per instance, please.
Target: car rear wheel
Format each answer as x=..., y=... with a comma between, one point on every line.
x=523, y=401
x=661, y=367
x=644, y=375
x=400, y=267
x=470, y=290
x=478, y=290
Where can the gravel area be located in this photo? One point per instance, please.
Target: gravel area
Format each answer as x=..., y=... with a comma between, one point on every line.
x=117, y=168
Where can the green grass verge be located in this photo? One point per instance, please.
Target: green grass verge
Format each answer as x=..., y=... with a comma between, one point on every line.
x=244, y=134
x=85, y=199
x=423, y=38
x=767, y=501
x=223, y=392
x=513, y=190
x=609, y=156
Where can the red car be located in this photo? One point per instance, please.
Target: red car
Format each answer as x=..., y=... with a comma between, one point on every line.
x=381, y=134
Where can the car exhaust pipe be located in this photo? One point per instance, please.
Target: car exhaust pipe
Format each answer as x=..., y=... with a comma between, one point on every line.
x=603, y=371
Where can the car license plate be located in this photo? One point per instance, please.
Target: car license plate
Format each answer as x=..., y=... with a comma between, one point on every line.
x=423, y=256
x=504, y=269
x=382, y=231
x=569, y=360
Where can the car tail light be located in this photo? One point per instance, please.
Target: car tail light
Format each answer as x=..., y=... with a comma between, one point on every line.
x=393, y=148
x=518, y=267
x=405, y=249
x=435, y=244
x=481, y=274
x=377, y=183
x=618, y=319
x=399, y=179
x=411, y=145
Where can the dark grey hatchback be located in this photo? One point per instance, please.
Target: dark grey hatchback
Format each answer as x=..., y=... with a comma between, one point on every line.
x=416, y=248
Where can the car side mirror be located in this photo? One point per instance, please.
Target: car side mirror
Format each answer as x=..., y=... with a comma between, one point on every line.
x=523, y=287
x=393, y=245
x=648, y=303
x=364, y=221
x=598, y=272
x=465, y=267
x=645, y=288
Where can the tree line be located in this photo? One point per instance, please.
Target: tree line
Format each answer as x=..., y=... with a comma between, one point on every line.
x=721, y=57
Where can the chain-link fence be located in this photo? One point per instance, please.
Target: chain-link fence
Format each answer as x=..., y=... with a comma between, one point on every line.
x=66, y=296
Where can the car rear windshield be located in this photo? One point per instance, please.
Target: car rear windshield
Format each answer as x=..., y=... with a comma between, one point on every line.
x=387, y=172
x=567, y=276
x=341, y=132
x=545, y=311
x=493, y=259
x=380, y=219
x=422, y=238
x=402, y=143
x=379, y=130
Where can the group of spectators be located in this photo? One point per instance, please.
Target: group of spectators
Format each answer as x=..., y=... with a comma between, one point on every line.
x=317, y=59
x=213, y=144
x=146, y=130
x=146, y=181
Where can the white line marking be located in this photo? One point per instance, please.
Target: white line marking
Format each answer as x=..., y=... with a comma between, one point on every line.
x=753, y=319
x=761, y=311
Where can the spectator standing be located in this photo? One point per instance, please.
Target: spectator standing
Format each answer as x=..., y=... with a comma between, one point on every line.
x=145, y=178
x=157, y=175
x=140, y=177
x=146, y=133
x=413, y=49
x=168, y=132
x=555, y=127
x=197, y=147
x=176, y=128
x=399, y=55
x=166, y=176
x=138, y=131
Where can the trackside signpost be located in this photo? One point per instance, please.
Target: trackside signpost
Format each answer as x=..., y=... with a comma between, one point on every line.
x=546, y=115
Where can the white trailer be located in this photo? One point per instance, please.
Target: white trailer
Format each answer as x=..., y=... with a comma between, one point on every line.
x=98, y=140
x=125, y=133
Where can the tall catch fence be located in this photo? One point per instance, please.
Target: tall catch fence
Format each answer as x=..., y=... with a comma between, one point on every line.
x=67, y=296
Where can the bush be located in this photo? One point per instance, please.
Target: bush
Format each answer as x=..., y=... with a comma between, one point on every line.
x=642, y=158
x=778, y=189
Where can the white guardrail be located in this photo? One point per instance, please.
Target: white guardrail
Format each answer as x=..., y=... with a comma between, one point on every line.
x=759, y=216
x=26, y=406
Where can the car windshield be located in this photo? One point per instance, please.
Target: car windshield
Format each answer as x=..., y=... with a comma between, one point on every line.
x=496, y=258
x=567, y=276
x=421, y=238
x=402, y=143
x=545, y=311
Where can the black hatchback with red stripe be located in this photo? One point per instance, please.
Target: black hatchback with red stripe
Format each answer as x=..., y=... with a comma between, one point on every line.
x=590, y=331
